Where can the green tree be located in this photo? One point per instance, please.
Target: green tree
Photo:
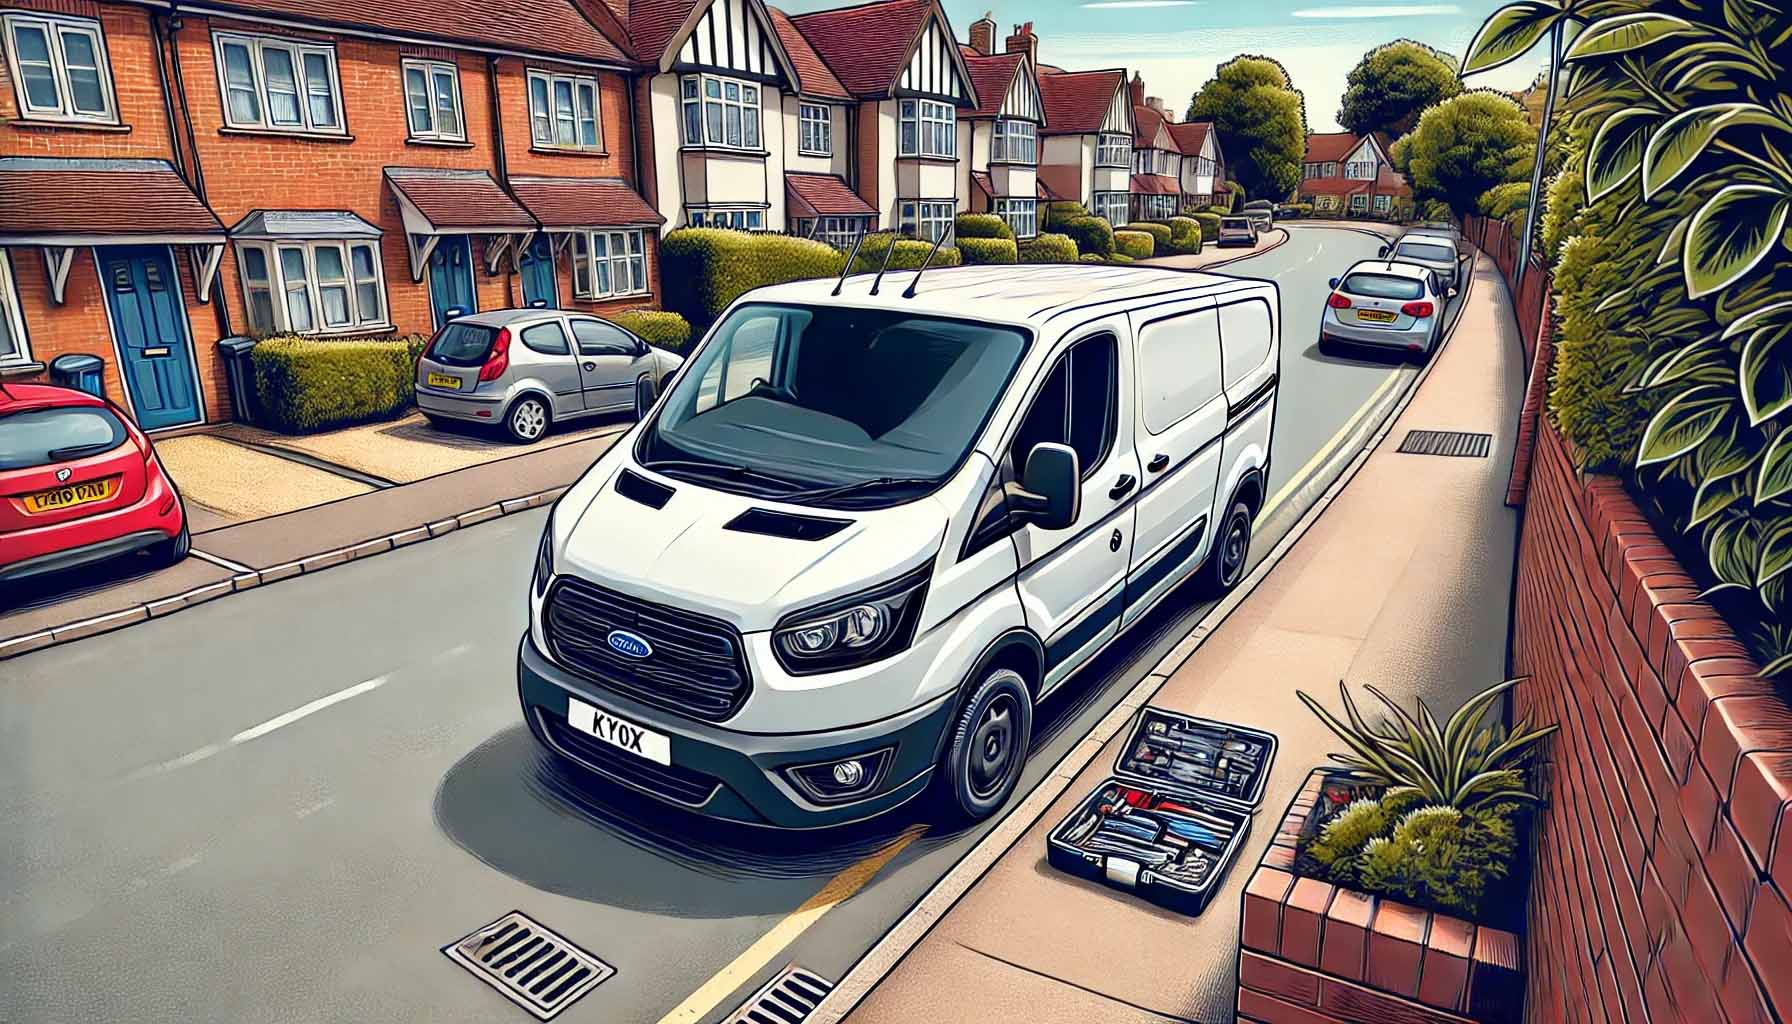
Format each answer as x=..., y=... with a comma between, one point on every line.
x=1393, y=83
x=1262, y=122
x=1464, y=146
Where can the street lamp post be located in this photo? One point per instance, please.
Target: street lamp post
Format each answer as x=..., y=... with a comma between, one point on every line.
x=1549, y=107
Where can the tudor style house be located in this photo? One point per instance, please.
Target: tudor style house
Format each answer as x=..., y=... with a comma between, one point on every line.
x=1203, y=165
x=1156, y=158
x=1088, y=140
x=1346, y=173
x=821, y=120
x=1000, y=139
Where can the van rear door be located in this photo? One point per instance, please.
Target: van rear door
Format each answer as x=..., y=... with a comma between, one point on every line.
x=1250, y=355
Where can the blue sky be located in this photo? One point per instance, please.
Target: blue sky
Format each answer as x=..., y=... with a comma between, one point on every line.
x=1177, y=44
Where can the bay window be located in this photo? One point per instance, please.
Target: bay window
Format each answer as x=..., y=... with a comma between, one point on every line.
x=927, y=220
x=927, y=128
x=1113, y=150
x=739, y=220
x=59, y=67
x=1022, y=216
x=1015, y=142
x=312, y=287
x=606, y=264
x=839, y=232
x=720, y=112
x=563, y=112
x=279, y=85
x=815, y=130
x=1110, y=205
x=432, y=101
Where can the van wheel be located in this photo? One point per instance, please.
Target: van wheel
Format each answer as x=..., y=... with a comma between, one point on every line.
x=527, y=420
x=1231, y=551
x=986, y=748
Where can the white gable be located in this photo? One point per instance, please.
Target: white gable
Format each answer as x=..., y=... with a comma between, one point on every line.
x=1119, y=119
x=732, y=35
x=1023, y=96
x=934, y=66
x=1366, y=151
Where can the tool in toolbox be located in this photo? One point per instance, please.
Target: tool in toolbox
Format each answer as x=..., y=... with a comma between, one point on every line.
x=1170, y=822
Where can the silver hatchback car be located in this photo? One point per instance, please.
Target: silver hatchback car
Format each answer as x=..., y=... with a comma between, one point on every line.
x=524, y=369
x=1385, y=304
x=1430, y=249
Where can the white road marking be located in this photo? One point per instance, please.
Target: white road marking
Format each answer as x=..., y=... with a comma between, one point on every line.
x=306, y=812
x=181, y=865
x=451, y=653
x=219, y=560
x=282, y=721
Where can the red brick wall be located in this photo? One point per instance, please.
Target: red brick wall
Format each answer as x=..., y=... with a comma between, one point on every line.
x=1662, y=869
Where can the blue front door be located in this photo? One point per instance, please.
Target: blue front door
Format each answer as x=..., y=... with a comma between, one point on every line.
x=538, y=273
x=451, y=279
x=149, y=321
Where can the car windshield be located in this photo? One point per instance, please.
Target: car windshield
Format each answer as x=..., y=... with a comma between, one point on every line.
x=462, y=344
x=1427, y=251
x=785, y=399
x=1383, y=286
x=38, y=437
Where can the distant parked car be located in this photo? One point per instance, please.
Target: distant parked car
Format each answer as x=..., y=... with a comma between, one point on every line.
x=1440, y=227
x=1385, y=304
x=1438, y=252
x=524, y=369
x=79, y=485
x=1237, y=231
x=1262, y=212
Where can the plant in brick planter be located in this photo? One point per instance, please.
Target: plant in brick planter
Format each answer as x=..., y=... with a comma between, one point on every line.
x=1396, y=881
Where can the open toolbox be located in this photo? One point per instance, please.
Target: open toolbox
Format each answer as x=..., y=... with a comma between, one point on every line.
x=1170, y=821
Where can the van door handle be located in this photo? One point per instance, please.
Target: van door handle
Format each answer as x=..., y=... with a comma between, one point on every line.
x=1122, y=486
x=1158, y=462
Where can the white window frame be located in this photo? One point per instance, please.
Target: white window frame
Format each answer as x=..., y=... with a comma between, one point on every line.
x=1106, y=202
x=432, y=70
x=280, y=287
x=1383, y=203
x=296, y=51
x=707, y=92
x=839, y=231
x=815, y=129
x=926, y=128
x=1359, y=203
x=603, y=259
x=545, y=121
x=1360, y=170
x=1021, y=215
x=1112, y=149
x=13, y=316
x=741, y=218
x=928, y=219
x=1015, y=142
x=55, y=27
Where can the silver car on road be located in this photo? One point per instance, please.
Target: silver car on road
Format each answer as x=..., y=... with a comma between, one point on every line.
x=524, y=369
x=1438, y=251
x=1385, y=304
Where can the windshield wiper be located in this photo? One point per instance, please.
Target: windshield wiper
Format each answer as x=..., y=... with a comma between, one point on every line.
x=857, y=486
x=726, y=469
x=58, y=454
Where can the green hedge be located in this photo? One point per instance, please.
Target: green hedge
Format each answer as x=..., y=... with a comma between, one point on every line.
x=1185, y=236
x=909, y=255
x=1091, y=257
x=705, y=269
x=983, y=225
x=1091, y=234
x=1210, y=224
x=988, y=250
x=306, y=384
x=1048, y=247
x=1160, y=233
x=1138, y=245
x=1120, y=257
x=656, y=327
x=1060, y=212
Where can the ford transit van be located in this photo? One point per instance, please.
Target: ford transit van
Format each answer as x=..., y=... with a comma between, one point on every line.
x=864, y=531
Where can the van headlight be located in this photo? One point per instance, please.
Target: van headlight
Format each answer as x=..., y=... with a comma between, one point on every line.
x=853, y=630
x=544, y=559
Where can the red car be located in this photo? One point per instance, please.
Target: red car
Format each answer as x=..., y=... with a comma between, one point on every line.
x=79, y=483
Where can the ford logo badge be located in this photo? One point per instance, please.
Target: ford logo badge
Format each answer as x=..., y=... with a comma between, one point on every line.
x=628, y=644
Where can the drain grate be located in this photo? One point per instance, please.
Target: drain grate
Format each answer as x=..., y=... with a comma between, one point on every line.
x=534, y=968
x=1447, y=442
x=788, y=998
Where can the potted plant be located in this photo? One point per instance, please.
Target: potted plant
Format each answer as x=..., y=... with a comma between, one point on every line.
x=1399, y=874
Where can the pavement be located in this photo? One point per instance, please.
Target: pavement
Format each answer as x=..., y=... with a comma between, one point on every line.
x=1403, y=582
x=279, y=806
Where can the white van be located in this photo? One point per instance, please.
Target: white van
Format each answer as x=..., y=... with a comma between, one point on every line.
x=863, y=533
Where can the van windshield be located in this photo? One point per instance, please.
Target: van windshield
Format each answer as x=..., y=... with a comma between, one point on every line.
x=859, y=407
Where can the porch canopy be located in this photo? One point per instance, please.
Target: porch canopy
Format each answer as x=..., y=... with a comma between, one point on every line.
x=566, y=206
x=824, y=195
x=437, y=201
x=1155, y=185
x=64, y=204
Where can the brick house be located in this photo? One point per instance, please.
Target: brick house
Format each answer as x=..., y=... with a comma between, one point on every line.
x=1088, y=139
x=318, y=167
x=1346, y=173
x=1203, y=164
x=1000, y=138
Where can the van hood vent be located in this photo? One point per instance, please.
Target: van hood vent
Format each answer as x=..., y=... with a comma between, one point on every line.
x=636, y=487
x=784, y=524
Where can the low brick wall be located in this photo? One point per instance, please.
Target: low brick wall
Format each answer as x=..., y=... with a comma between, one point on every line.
x=1662, y=864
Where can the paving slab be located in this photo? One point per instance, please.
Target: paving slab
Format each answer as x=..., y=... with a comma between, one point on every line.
x=232, y=483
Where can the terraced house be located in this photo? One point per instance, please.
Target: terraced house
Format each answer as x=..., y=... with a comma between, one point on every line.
x=312, y=167
x=1156, y=158
x=1001, y=137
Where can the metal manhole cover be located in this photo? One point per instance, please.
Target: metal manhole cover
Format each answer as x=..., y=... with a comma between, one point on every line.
x=1447, y=442
x=788, y=998
x=534, y=968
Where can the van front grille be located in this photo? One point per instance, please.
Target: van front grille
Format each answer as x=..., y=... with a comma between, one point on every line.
x=696, y=666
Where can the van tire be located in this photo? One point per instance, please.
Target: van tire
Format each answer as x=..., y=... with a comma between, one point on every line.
x=986, y=747
x=1231, y=552
x=527, y=419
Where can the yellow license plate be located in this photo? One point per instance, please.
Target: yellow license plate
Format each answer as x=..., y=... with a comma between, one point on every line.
x=68, y=497
x=444, y=380
x=1375, y=316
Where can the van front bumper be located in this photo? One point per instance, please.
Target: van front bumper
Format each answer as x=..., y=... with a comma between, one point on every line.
x=742, y=774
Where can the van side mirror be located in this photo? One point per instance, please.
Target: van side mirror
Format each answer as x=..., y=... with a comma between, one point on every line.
x=646, y=393
x=1050, y=496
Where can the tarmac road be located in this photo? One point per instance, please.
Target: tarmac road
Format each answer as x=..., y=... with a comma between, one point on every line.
x=280, y=807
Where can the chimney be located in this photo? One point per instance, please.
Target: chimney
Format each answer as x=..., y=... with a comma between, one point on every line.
x=983, y=34
x=1023, y=41
x=1157, y=103
x=1137, y=90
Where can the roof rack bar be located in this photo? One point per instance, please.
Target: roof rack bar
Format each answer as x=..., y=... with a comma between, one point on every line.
x=909, y=292
x=880, y=271
x=849, y=258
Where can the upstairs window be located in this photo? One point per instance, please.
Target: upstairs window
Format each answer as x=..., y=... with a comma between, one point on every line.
x=928, y=128
x=1015, y=142
x=815, y=130
x=59, y=68
x=1113, y=150
x=278, y=84
x=720, y=112
x=432, y=101
x=1360, y=170
x=563, y=111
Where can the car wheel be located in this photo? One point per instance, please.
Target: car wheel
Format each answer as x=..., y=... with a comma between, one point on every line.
x=527, y=419
x=173, y=550
x=1231, y=551
x=986, y=747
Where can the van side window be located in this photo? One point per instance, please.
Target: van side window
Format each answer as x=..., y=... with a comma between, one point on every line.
x=1077, y=406
x=1179, y=367
x=549, y=339
x=1245, y=336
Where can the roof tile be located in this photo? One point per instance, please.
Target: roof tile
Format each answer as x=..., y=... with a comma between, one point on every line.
x=866, y=46
x=1077, y=102
x=458, y=199
x=992, y=76
x=583, y=202
x=1328, y=147
x=45, y=196
x=551, y=27
x=817, y=79
x=827, y=195
x=1154, y=185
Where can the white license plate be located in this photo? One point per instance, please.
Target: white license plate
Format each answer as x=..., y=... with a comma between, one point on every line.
x=618, y=733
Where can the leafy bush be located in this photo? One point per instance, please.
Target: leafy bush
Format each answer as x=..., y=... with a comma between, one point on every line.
x=1091, y=234
x=1091, y=257
x=1060, y=212
x=656, y=327
x=1160, y=233
x=1301, y=209
x=705, y=269
x=1138, y=245
x=1432, y=855
x=988, y=250
x=909, y=255
x=1466, y=145
x=1507, y=202
x=1210, y=224
x=306, y=384
x=1047, y=247
x=1185, y=236
x=983, y=225
x=1235, y=194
